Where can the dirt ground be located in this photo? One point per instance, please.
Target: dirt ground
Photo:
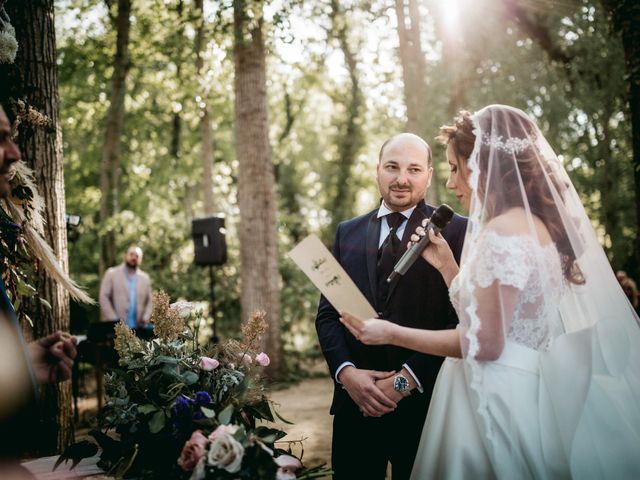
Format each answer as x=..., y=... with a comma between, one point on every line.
x=306, y=405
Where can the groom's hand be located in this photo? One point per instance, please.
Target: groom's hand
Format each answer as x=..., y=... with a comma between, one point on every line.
x=361, y=387
x=386, y=386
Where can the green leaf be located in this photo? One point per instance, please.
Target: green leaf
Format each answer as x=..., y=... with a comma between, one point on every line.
x=225, y=415
x=171, y=371
x=261, y=410
x=25, y=289
x=208, y=412
x=164, y=359
x=157, y=422
x=147, y=408
x=190, y=377
x=269, y=435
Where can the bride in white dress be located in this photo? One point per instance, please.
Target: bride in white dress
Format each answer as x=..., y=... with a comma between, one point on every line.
x=542, y=376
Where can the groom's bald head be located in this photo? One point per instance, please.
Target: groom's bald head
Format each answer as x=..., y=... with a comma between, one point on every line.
x=408, y=139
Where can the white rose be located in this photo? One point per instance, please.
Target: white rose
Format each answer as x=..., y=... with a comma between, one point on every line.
x=226, y=452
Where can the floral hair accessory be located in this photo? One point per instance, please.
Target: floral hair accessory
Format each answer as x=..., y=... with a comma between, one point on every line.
x=512, y=145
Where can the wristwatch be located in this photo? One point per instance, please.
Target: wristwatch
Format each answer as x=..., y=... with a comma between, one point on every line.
x=401, y=385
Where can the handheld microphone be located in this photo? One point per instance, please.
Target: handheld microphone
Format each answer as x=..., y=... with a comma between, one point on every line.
x=436, y=223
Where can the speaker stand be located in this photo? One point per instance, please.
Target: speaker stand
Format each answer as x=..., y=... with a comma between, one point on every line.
x=212, y=306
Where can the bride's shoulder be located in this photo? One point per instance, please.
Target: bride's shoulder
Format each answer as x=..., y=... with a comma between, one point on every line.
x=510, y=223
x=515, y=222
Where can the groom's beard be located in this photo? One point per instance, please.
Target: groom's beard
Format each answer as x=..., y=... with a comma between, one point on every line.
x=133, y=266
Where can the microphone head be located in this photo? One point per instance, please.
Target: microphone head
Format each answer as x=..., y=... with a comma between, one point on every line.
x=442, y=216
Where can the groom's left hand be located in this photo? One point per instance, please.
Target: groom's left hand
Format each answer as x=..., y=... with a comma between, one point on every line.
x=386, y=385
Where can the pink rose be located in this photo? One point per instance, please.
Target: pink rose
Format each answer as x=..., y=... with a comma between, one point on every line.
x=288, y=466
x=208, y=364
x=263, y=359
x=192, y=451
x=247, y=360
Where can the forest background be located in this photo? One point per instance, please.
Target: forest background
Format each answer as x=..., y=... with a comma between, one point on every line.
x=272, y=113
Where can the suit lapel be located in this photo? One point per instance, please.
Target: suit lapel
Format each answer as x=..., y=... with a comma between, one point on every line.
x=373, y=238
x=421, y=212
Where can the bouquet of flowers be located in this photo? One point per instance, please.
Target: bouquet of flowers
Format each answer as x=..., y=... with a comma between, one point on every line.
x=181, y=411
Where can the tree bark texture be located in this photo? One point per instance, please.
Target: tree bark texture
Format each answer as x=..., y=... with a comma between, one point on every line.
x=34, y=79
x=414, y=71
x=110, y=164
x=257, y=198
x=207, y=148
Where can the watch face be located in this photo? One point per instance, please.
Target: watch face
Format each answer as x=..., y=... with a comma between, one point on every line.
x=400, y=383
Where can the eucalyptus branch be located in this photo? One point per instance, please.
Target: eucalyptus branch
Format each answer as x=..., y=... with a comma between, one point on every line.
x=292, y=442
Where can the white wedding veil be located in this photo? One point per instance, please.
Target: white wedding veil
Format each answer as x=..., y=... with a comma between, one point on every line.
x=536, y=292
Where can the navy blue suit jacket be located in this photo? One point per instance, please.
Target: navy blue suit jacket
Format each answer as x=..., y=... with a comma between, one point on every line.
x=419, y=299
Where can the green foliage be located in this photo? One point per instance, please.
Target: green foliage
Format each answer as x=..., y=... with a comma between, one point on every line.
x=169, y=391
x=577, y=96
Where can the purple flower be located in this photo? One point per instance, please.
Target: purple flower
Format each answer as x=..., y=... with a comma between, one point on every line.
x=202, y=398
x=197, y=415
x=183, y=405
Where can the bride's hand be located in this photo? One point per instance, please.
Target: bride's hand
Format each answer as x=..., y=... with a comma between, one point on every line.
x=370, y=332
x=438, y=253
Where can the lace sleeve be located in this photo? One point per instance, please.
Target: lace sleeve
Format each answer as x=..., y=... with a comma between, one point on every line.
x=507, y=259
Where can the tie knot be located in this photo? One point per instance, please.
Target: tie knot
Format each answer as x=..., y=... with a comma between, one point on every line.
x=394, y=220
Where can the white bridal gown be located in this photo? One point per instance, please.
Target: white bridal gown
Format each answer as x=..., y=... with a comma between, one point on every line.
x=493, y=419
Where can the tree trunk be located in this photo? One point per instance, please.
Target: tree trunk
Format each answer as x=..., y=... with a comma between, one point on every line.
x=207, y=147
x=35, y=80
x=625, y=16
x=176, y=130
x=256, y=186
x=110, y=165
x=350, y=137
x=414, y=70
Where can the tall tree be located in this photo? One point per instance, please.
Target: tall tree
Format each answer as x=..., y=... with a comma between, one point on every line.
x=257, y=198
x=206, y=133
x=625, y=17
x=34, y=79
x=110, y=164
x=350, y=139
x=176, y=122
x=414, y=75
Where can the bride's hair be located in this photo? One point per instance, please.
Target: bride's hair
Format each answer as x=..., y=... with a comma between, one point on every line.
x=529, y=168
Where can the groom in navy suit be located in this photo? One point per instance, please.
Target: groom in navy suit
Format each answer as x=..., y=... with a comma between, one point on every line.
x=382, y=393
